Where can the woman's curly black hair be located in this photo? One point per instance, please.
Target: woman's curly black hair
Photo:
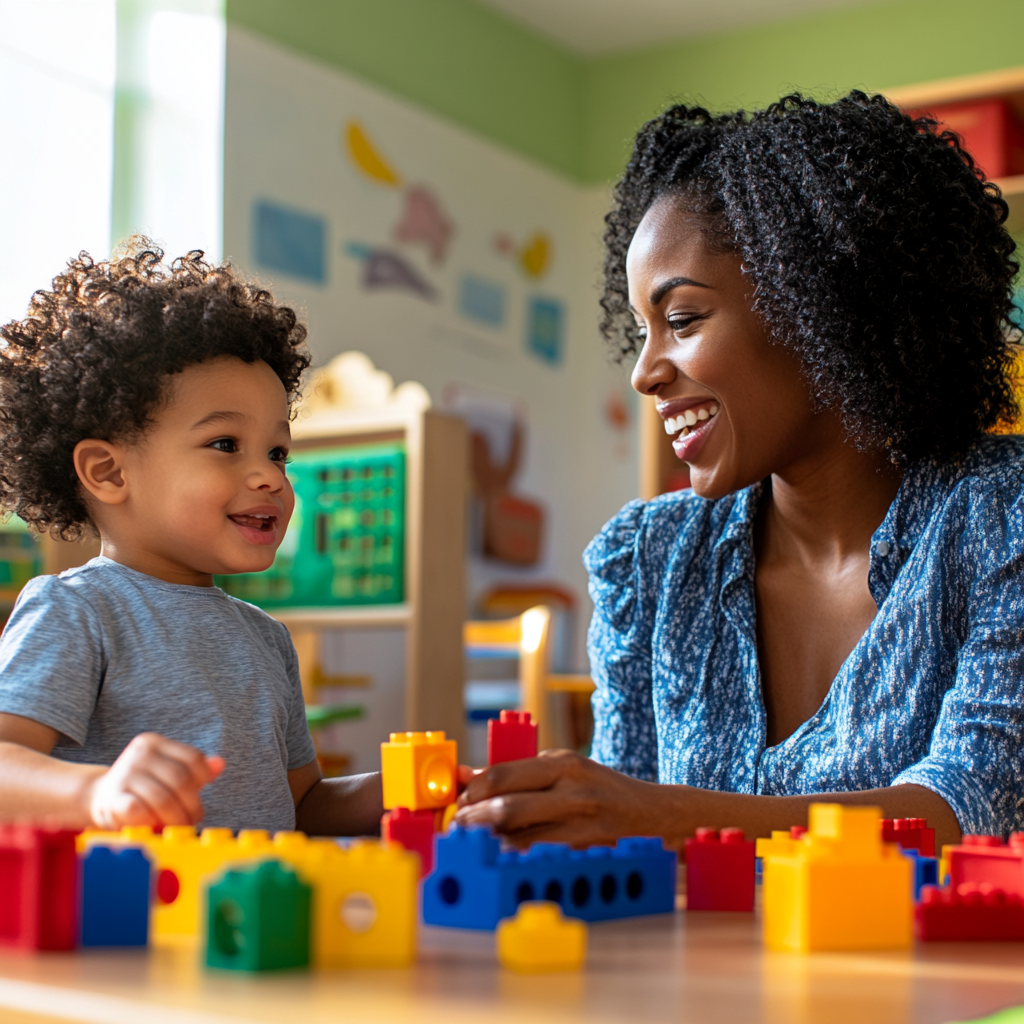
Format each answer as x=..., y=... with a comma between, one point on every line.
x=876, y=249
x=93, y=356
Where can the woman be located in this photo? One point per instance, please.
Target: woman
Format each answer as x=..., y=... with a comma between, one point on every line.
x=821, y=299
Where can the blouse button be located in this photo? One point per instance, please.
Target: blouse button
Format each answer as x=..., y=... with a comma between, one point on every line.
x=882, y=548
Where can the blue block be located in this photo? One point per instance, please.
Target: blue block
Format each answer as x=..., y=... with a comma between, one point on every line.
x=475, y=885
x=115, y=896
x=926, y=871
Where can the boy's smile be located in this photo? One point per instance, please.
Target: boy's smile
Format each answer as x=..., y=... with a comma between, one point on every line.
x=204, y=490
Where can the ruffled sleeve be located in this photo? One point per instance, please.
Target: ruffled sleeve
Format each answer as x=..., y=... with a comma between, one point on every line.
x=625, y=737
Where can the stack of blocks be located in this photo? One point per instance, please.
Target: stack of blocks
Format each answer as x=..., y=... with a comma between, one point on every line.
x=836, y=887
x=984, y=900
x=720, y=871
x=474, y=884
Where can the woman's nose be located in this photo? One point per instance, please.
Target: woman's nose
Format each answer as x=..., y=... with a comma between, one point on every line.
x=653, y=370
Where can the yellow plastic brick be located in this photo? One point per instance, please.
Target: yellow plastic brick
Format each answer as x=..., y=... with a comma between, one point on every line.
x=540, y=939
x=364, y=904
x=837, y=887
x=418, y=770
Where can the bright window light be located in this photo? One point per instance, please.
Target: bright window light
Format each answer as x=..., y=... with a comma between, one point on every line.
x=57, y=71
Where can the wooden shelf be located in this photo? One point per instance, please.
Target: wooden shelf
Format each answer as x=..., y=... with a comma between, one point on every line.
x=1007, y=84
x=371, y=616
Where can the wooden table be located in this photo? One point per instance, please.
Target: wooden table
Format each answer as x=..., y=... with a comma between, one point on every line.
x=683, y=968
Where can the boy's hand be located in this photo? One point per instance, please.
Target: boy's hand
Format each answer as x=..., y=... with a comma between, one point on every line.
x=155, y=781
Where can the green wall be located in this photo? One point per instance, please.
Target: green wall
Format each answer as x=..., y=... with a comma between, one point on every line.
x=454, y=57
x=872, y=46
x=577, y=116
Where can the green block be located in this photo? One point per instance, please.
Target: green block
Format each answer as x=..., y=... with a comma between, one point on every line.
x=258, y=919
x=1012, y=1015
x=345, y=544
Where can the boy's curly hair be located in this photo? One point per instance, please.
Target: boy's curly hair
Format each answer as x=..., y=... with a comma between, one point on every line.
x=93, y=356
x=876, y=250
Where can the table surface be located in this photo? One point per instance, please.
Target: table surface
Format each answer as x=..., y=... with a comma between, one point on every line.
x=696, y=967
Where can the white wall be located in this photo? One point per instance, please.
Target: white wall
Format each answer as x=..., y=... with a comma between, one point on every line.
x=284, y=121
x=57, y=123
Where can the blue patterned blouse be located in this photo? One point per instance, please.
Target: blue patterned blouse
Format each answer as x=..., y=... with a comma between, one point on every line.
x=933, y=693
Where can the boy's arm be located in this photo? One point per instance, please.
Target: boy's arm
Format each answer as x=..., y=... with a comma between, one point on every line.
x=155, y=781
x=349, y=806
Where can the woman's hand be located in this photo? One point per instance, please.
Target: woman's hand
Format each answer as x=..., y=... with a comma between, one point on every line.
x=560, y=797
x=155, y=781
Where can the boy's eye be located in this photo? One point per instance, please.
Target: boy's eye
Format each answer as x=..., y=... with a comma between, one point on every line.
x=227, y=445
x=279, y=455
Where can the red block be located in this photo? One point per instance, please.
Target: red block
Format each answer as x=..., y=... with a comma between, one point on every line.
x=910, y=833
x=987, y=860
x=511, y=737
x=969, y=913
x=414, y=830
x=720, y=870
x=989, y=130
x=38, y=888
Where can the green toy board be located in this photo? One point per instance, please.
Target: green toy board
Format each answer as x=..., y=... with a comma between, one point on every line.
x=345, y=544
x=20, y=557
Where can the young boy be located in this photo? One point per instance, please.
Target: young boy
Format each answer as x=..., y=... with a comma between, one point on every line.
x=151, y=406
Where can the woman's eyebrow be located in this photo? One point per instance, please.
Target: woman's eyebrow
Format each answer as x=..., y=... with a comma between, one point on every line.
x=675, y=282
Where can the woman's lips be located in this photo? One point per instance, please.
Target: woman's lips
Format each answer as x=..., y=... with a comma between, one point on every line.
x=688, y=447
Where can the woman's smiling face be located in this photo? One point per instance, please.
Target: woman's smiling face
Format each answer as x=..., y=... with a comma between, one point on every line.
x=738, y=404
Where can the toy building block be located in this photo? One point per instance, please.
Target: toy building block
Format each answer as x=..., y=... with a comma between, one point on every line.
x=258, y=919
x=910, y=833
x=926, y=871
x=364, y=904
x=720, y=871
x=475, y=885
x=987, y=860
x=837, y=887
x=115, y=896
x=38, y=888
x=540, y=939
x=414, y=831
x=969, y=913
x=418, y=770
x=511, y=737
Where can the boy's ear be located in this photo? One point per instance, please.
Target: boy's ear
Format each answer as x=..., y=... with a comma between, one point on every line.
x=99, y=468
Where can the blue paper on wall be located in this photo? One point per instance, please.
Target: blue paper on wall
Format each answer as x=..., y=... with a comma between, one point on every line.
x=483, y=301
x=545, y=326
x=290, y=241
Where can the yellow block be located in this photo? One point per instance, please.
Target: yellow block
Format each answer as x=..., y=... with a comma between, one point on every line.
x=418, y=770
x=836, y=887
x=539, y=939
x=364, y=904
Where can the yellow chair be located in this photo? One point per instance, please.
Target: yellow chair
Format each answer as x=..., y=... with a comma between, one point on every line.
x=528, y=637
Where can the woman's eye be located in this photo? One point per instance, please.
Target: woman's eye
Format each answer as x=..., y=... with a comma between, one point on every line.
x=224, y=444
x=682, y=323
x=279, y=455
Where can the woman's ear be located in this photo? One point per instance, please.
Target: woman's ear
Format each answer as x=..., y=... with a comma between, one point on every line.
x=99, y=468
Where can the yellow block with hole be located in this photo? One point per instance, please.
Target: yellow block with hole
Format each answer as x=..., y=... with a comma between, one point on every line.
x=418, y=770
x=364, y=904
x=837, y=887
x=540, y=939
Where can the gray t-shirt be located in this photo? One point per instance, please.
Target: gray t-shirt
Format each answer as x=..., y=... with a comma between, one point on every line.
x=102, y=653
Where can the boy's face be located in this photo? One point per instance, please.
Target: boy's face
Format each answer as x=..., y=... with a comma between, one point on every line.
x=206, y=490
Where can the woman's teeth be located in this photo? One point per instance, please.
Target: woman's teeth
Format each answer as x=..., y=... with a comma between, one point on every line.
x=684, y=421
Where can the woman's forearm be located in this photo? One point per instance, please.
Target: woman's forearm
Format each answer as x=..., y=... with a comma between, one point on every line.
x=41, y=788
x=562, y=797
x=683, y=809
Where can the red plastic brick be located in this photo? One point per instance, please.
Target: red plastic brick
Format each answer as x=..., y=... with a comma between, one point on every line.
x=720, y=870
x=910, y=833
x=986, y=860
x=969, y=913
x=38, y=888
x=415, y=831
x=511, y=737
x=796, y=831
